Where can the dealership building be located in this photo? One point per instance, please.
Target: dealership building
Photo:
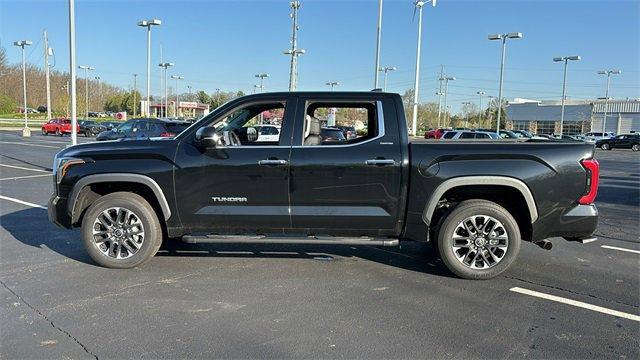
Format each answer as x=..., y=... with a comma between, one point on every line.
x=186, y=109
x=543, y=117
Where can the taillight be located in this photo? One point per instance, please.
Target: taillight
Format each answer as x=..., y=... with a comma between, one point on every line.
x=593, y=176
x=167, y=134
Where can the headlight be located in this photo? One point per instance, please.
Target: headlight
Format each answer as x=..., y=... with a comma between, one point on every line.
x=62, y=164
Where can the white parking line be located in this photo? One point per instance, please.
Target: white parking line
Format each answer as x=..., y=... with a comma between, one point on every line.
x=579, y=304
x=24, y=168
x=620, y=249
x=22, y=202
x=27, y=144
x=24, y=177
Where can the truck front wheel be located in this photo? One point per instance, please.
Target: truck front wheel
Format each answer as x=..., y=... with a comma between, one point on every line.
x=121, y=230
x=478, y=240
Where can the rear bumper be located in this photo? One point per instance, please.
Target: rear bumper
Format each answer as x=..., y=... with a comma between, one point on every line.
x=57, y=211
x=579, y=222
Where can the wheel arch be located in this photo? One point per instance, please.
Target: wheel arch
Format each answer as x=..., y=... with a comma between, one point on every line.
x=473, y=181
x=82, y=194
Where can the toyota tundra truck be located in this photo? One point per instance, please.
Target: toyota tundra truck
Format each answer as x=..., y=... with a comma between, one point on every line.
x=476, y=202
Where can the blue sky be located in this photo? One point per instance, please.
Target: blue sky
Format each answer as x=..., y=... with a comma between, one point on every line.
x=222, y=44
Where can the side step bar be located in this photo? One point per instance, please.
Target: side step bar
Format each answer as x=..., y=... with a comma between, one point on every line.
x=263, y=239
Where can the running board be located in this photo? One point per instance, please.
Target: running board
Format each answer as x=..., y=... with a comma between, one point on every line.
x=263, y=239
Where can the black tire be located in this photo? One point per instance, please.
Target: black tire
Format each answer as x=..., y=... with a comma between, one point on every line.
x=481, y=208
x=635, y=147
x=605, y=146
x=143, y=210
x=87, y=133
x=58, y=132
x=44, y=132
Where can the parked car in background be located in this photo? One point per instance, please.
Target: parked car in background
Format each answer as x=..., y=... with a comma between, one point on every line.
x=268, y=133
x=110, y=125
x=508, y=134
x=595, y=136
x=469, y=134
x=42, y=109
x=348, y=131
x=58, y=127
x=625, y=141
x=144, y=128
x=29, y=110
x=572, y=137
x=91, y=128
x=332, y=134
x=435, y=133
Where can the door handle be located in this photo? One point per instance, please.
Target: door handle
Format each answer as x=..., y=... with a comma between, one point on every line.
x=272, y=162
x=380, y=162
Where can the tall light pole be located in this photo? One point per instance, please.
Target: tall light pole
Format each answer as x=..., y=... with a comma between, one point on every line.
x=47, y=52
x=418, y=5
x=480, y=94
x=564, y=59
x=22, y=43
x=446, y=80
x=294, y=52
x=148, y=24
x=175, y=108
x=332, y=84
x=164, y=67
x=386, y=70
x=262, y=76
x=135, y=91
x=97, y=78
x=256, y=87
x=606, y=96
x=86, y=88
x=379, y=35
x=466, y=118
x=503, y=38
x=72, y=70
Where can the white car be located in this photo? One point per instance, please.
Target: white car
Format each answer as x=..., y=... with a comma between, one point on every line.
x=592, y=137
x=268, y=133
x=469, y=134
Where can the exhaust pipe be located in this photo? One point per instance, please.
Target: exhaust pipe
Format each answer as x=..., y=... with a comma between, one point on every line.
x=545, y=244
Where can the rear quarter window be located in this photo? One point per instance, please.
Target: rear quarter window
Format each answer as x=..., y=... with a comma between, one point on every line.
x=449, y=135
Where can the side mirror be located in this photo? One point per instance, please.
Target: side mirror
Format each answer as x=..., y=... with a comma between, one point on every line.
x=208, y=137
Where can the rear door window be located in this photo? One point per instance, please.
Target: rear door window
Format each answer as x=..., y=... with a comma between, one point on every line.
x=467, y=135
x=449, y=135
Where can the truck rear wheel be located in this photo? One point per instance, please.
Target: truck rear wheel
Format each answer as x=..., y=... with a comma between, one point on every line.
x=121, y=230
x=478, y=240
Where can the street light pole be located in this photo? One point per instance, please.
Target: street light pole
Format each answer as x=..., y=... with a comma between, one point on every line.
x=480, y=93
x=86, y=88
x=26, y=132
x=379, y=35
x=503, y=38
x=72, y=71
x=466, y=118
x=606, y=96
x=262, y=76
x=332, y=84
x=148, y=24
x=564, y=59
x=446, y=92
x=414, y=125
x=175, y=108
x=164, y=67
x=135, y=91
x=386, y=70
x=47, y=52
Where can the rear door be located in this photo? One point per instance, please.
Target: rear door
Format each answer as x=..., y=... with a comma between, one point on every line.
x=349, y=186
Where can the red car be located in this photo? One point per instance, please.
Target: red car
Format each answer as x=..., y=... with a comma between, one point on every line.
x=435, y=133
x=58, y=127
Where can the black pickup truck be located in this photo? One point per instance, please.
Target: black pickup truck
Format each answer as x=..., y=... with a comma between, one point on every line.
x=218, y=181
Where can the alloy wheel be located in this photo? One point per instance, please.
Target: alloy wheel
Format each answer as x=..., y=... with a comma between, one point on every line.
x=118, y=233
x=480, y=242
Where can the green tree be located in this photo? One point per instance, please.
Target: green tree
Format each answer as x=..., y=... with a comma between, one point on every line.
x=114, y=102
x=7, y=104
x=128, y=101
x=202, y=97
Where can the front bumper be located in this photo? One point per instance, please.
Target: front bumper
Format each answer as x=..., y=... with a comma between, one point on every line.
x=57, y=211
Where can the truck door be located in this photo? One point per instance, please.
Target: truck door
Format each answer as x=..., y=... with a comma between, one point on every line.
x=345, y=186
x=237, y=189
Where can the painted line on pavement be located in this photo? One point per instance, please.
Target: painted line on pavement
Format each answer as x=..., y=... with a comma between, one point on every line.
x=24, y=177
x=620, y=249
x=27, y=144
x=22, y=202
x=24, y=168
x=576, y=303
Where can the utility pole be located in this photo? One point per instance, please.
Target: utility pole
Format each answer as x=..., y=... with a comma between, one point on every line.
x=97, y=78
x=294, y=52
x=164, y=67
x=135, y=91
x=386, y=70
x=564, y=59
x=440, y=93
x=262, y=76
x=46, y=70
x=446, y=92
x=332, y=84
x=466, y=117
x=26, y=132
x=379, y=35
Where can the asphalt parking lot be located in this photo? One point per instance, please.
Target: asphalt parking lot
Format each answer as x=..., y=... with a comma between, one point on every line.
x=232, y=301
